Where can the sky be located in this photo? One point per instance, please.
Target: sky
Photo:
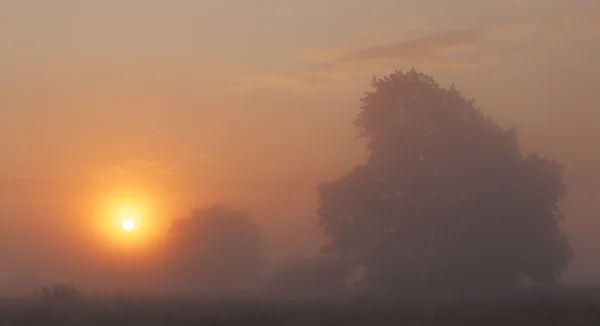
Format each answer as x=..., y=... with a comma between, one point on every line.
x=185, y=103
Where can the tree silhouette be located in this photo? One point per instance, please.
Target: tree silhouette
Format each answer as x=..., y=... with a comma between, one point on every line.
x=446, y=200
x=216, y=250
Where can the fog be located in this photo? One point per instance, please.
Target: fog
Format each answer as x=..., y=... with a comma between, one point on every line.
x=185, y=105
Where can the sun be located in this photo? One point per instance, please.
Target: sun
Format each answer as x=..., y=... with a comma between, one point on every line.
x=128, y=217
x=128, y=225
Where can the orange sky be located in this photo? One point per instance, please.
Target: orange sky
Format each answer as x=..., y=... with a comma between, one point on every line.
x=251, y=103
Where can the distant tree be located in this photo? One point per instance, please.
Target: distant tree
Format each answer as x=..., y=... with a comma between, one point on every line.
x=308, y=277
x=446, y=200
x=216, y=249
x=59, y=294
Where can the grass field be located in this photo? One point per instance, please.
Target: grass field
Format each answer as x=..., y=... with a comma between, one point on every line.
x=575, y=308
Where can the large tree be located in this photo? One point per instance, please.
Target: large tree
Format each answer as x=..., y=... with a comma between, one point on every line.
x=216, y=250
x=446, y=200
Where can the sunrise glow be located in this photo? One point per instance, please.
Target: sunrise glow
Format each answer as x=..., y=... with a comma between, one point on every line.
x=128, y=217
x=131, y=213
x=128, y=225
x=129, y=222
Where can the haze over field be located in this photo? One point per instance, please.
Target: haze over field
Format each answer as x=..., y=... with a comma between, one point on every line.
x=173, y=105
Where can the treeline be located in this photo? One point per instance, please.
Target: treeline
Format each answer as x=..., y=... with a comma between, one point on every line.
x=445, y=204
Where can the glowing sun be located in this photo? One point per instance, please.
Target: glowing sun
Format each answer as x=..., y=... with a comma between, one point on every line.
x=128, y=217
x=128, y=225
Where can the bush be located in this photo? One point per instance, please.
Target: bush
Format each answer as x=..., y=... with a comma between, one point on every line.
x=59, y=294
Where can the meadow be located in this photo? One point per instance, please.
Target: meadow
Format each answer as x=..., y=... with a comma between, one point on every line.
x=573, y=307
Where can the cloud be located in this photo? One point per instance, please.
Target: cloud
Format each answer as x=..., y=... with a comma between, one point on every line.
x=433, y=49
x=137, y=168
x=439, y=49
x=156, y=168
x=419, y=48
x=557, y=30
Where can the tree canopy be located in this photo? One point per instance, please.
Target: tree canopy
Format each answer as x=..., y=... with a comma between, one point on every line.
x=217, y=249
x=446, y=200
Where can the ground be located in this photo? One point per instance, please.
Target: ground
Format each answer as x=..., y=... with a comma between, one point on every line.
x=572, y=308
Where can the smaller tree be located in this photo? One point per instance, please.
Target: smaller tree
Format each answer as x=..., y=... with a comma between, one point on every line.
x=59, y=294
x=216, y=249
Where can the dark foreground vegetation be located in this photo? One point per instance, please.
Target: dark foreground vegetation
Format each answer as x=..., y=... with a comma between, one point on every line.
x=578, y=307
